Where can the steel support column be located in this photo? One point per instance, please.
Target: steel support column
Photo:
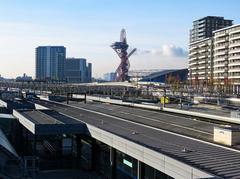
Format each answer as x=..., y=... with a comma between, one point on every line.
x=94, y=154
x=79, y=150
x=113, y=162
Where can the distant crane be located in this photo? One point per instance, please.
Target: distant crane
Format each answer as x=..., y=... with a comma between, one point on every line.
x=121, y=49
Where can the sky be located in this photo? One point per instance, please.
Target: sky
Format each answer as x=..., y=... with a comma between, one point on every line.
x=159, y=29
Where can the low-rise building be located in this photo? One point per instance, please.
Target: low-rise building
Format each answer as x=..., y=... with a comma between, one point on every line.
x=24, y=78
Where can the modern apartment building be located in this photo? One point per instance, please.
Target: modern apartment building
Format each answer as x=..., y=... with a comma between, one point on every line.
x=50, y=62
x=201, y=62
x=203, y=28
x=77, y=70
x=216, y=61
x=227, y=57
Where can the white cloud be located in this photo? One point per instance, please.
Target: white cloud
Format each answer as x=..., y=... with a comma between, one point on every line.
x=166, y=51
x=164, y=57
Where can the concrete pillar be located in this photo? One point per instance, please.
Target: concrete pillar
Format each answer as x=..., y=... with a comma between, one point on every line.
x=67, y=98
x=25, y=141
x=111, y=92
x=94, y=155
x=85, y=98
x=34, y=149
x=79, y=151
x=34, y=152
x=113, y=162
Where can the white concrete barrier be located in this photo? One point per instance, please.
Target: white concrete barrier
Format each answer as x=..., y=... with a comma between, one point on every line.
x=203, y=115
x=177, y=111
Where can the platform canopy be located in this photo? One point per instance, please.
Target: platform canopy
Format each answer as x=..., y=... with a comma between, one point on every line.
x=48, y=122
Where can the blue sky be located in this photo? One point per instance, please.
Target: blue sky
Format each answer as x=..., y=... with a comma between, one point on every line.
x=157, y=28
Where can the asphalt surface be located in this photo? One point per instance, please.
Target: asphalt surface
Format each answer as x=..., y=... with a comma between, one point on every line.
x=217, y=160
x=175, y=123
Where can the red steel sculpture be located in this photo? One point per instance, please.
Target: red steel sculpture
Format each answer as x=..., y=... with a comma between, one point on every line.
x=121, y=49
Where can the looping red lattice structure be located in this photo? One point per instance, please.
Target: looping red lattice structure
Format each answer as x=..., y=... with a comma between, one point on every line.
x=121, y=49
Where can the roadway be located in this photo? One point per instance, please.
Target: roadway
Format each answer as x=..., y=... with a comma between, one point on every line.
x=214, y=159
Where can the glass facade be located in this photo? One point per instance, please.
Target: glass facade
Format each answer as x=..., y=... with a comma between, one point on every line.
x=103, y=165
x=77, y=70
x=86, y=155
x=126, y=166
x=50, y=62
x=98, y=154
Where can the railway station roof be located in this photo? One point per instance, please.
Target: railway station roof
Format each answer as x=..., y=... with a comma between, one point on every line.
x=48, y=122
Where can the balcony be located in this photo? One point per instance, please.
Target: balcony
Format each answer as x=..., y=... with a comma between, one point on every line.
x=219, y=65
x=224, y=52
x=201, y=62
x=234, y=70
x=220, y=34
x=221, y=47
x=234, y=77
x=219, y=59
x=234, y=64
x=203, y=45
x=202, y=77
x=236, y=44
x=216, y=41
x=236, y=57
x=234, y=37
x=201, y=25
x=235, y=31
x=200, y=29
x=193, y=53
x=192, y=63
x=201, y=35
x=234, y=51
x=192, y=58
x=203, y=50
x=202, y=67
x=218, y=77
x=219, y=71
x=192, y=48
x=201, y=72
x=193, y=68
x=202, y=56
